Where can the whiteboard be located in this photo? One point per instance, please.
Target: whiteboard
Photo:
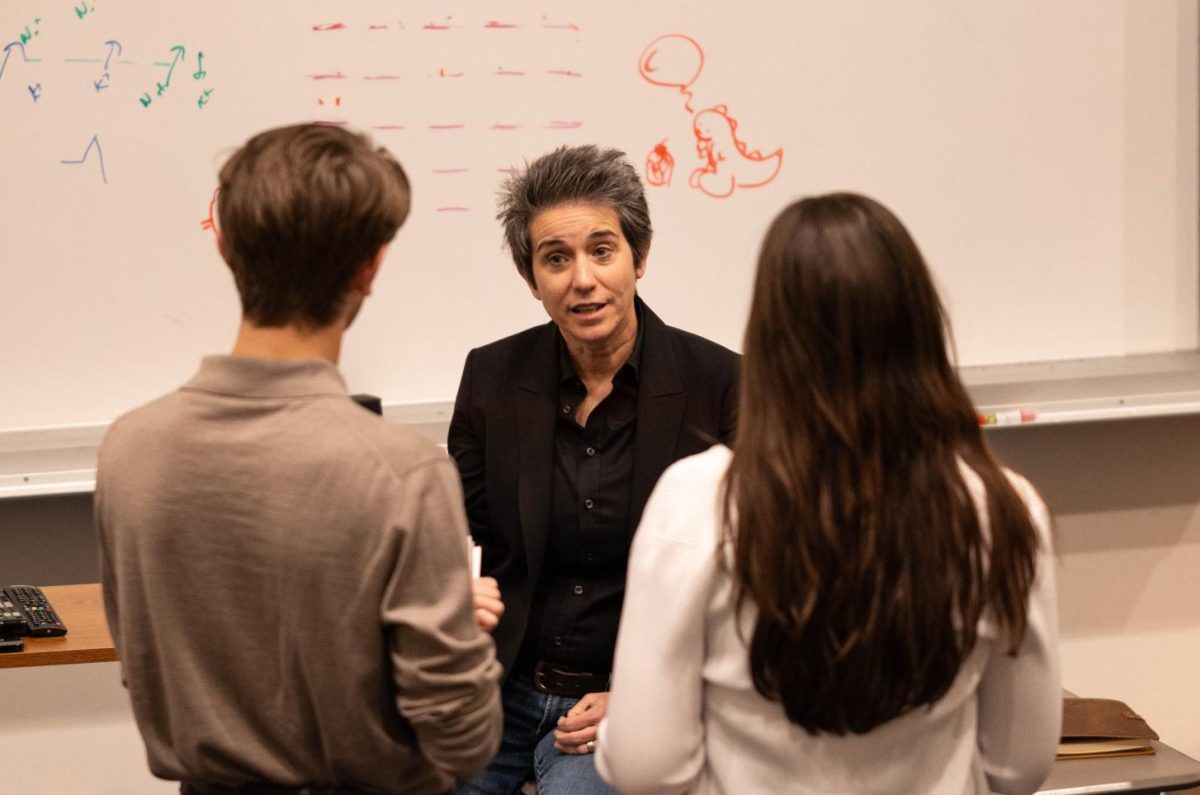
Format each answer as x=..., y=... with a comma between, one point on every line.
x=1043, y=154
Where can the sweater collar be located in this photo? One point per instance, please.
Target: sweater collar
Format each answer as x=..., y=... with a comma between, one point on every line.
x=249, y=376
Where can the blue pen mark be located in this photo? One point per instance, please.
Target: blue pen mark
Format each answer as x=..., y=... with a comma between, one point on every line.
x=100, y=152
x=8, y=51
x=114, y=48
x=35, y=91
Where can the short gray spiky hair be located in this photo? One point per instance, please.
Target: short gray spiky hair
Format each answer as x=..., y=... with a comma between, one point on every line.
x=574, y=174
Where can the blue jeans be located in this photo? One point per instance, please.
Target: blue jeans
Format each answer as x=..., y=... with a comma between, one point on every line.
x=527, y=749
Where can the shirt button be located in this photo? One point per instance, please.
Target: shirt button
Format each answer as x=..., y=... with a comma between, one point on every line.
x=578, y=590
x=566, y=409
x=558, y=640
x=588, y=504
x=591, y=451
x=590, y=556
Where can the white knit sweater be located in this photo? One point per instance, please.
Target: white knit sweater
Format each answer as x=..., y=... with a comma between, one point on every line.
x=684, y=715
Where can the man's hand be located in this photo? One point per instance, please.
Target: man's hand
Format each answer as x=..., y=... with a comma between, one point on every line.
x=578, y=727
x=488, y=605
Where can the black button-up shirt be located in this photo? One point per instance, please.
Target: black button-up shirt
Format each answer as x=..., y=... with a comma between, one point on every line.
x=577, y=603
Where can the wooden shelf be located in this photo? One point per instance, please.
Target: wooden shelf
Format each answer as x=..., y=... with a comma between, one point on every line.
x=81, y=609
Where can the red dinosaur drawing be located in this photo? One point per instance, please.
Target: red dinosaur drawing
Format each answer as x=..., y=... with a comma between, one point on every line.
x=728, y=163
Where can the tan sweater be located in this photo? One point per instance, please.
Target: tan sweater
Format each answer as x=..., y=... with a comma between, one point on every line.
x=286, y=581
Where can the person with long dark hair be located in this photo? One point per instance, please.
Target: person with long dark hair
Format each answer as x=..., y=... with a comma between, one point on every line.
x=858, y=597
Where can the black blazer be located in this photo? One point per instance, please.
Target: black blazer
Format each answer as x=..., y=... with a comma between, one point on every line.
x=502, y=438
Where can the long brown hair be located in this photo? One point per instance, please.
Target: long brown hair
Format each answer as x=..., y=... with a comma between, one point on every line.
x=852, y=529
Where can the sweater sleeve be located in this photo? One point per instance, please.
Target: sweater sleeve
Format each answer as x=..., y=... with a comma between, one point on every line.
x=652, y=739
x=104, y=546
x=444, y=667
x=1020, y=697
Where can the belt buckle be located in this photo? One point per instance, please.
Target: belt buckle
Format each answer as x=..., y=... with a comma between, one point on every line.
x=539, y=678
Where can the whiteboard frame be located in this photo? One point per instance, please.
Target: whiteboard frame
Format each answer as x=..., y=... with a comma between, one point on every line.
x=38, y=462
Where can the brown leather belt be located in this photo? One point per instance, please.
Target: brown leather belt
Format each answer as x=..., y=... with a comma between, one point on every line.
x=559, y=681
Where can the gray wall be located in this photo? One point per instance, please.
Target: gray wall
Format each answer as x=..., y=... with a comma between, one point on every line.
x=47, y=540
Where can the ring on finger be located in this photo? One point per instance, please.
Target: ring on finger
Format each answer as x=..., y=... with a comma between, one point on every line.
x=591, y=746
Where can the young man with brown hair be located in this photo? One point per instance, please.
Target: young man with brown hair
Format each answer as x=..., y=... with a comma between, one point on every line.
x=285, y=574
